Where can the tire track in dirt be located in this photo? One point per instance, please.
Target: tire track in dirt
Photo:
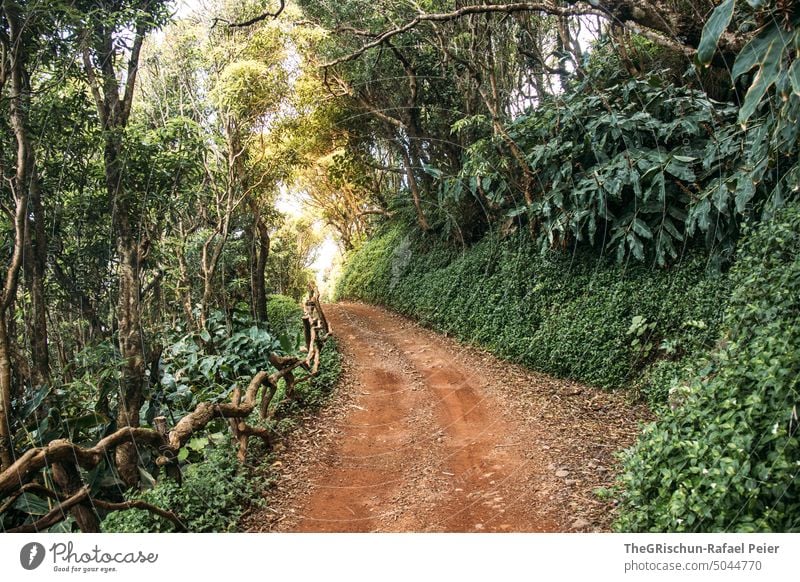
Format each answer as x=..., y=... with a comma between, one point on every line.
x=426, y=434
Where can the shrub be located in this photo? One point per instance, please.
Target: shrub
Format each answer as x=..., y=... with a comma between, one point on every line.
x=216, y=487
x=210, y=499
x=728, y=458
x=576, y=316
x=284, y=314
x=314, y=393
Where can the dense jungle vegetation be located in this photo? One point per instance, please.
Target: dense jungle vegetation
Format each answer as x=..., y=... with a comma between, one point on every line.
x=604, y=191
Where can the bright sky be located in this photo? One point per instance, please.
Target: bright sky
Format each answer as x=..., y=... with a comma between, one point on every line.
x=290, y=203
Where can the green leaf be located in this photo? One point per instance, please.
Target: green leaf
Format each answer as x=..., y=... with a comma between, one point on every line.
x=80, y=423
x=32, y=504
x=744, y=193
x=35, y=402
x=769, y=56
x=669, y=226
x=712, y=31
x=680, y=170
x=148, y=480
x=702, y=214
x=720, y=197
x=197, y=443
x=286, y=343
x=636, y=246
x=430, y=170
x=640, y=227
x=751, y=53
x=794, y=76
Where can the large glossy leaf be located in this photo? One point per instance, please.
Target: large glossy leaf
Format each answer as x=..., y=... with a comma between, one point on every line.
x=712, y=31
x=640, y=227
x=770, y=65
x=35, y=402
x=32, y=504
x=794, y=76
x=77, y=424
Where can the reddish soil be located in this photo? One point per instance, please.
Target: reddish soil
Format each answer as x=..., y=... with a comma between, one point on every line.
x=426, y=434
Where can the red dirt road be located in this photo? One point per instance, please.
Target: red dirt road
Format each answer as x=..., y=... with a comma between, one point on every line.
x=426, y=434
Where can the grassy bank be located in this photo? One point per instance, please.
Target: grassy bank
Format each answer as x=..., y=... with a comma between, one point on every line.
x=578, y=316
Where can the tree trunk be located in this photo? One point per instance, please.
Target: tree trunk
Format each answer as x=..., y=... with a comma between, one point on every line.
x=114, y=111
x=19, y=105
x=68, y=479
x=131, y=340
x=6, y=449
x=131, y=344
x=34, y=270
x=414, y=187
x=260, y=251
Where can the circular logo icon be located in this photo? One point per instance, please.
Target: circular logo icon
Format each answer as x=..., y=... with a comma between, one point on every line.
x=31, y=555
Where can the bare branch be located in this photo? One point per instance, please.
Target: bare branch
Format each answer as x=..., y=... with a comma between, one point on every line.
x=57, y=514
x=546, y=8
x=36, y=489
x=133, y=69
x=139, y=504
x=254, y=20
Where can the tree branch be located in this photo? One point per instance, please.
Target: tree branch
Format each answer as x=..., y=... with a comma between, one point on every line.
x=546, y=8
x=57, y=514
x=254, y=20
x=133, y=69
x=139, y=504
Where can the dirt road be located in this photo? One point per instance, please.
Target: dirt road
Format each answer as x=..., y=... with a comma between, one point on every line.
x=426, y=434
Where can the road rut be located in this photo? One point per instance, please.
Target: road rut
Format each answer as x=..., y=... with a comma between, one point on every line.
x=426, y=434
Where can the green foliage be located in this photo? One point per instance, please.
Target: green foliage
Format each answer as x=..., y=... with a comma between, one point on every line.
x=210, y=499
x=581, y=316
x=768, y=67
x=293, y=248
x=713, y=29
x=637, y=168
x=319, y=388
x=727, y=457
x=207, y=364
x=772, y=51
x=215, y=486
x=284, y=314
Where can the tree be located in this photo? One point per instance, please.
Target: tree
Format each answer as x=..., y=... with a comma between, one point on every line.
x=104, y=35
x=16, y=42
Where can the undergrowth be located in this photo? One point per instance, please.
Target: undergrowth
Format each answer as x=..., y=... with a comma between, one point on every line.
x=576, y=316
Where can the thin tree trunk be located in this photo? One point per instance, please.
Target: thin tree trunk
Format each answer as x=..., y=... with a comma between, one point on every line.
x=259, y=263
x=131, y=340
x=34, y=269
x=114, y=112
x=18, y=107
x=414, y=187
x=6, y=449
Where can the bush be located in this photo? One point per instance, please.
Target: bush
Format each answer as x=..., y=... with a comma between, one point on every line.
x=217, y=487
x=284, y=314
x=727, y=459
x=576, y=316
x=210, y=499
x=314, y=393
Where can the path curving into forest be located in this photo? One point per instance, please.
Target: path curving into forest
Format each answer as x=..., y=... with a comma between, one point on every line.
x=426, y=434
